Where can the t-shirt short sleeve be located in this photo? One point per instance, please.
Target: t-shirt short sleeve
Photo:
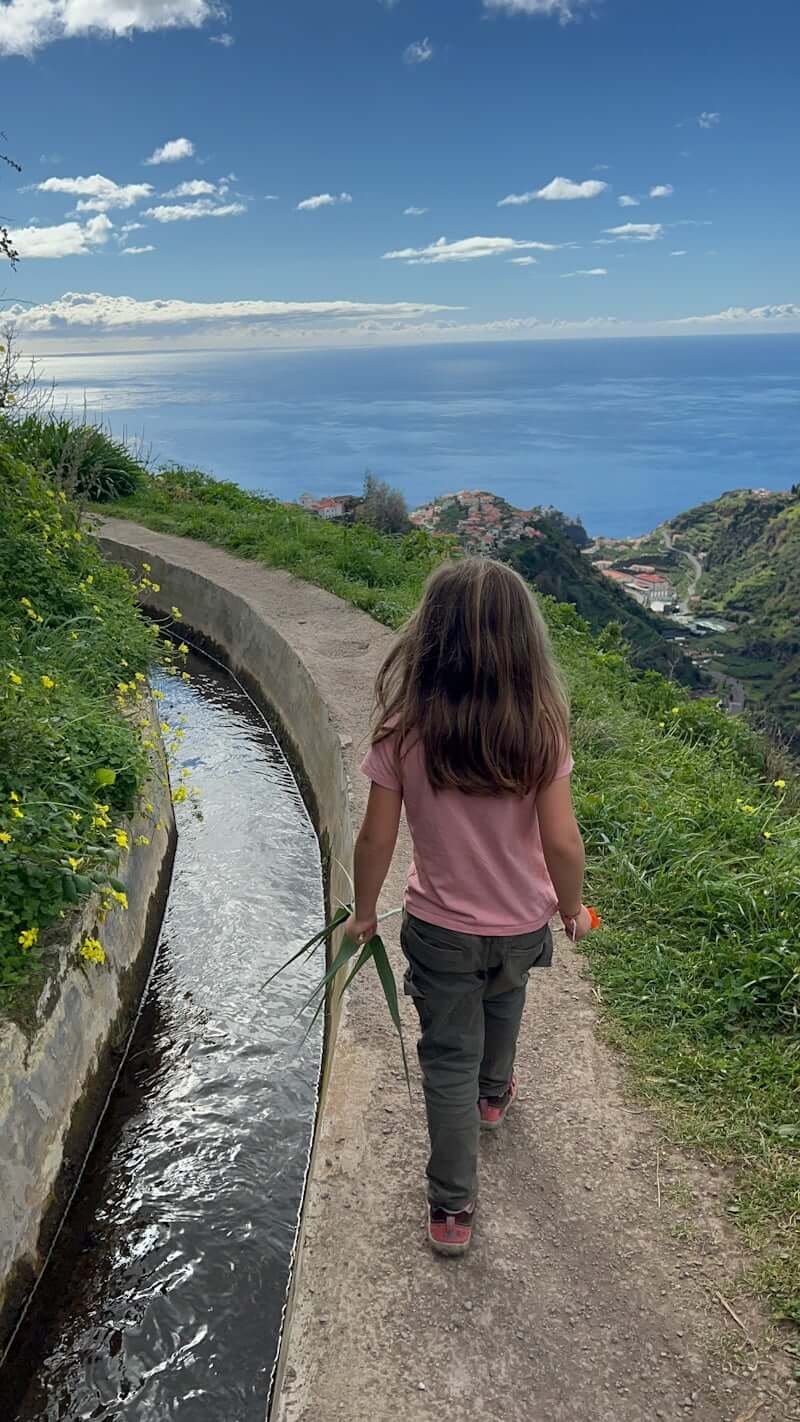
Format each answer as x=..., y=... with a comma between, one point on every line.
x=380, y=764
x=566, y=768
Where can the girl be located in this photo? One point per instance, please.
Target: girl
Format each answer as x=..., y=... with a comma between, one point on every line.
x=472, y=737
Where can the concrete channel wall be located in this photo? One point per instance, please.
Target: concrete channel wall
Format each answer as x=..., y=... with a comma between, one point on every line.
x=55, y=1076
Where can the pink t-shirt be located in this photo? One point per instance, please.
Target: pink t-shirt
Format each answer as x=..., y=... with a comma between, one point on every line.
x=478, y=861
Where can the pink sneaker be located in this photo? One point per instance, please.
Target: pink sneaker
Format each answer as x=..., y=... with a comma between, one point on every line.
x=493, y=1108
x=450, y=1233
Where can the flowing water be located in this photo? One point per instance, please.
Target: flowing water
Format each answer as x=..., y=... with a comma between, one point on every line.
x=165, y=1293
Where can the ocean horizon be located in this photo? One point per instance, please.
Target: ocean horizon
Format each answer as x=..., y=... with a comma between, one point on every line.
x=622, y=433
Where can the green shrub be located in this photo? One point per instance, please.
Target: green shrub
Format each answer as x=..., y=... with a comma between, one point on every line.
x=82, y=459
x=72, y=754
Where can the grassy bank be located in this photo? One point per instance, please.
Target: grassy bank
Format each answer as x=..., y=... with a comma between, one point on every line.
x=694, y=861
x=74, y=656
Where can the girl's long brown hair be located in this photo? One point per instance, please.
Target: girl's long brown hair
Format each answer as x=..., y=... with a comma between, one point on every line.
x=473, y=677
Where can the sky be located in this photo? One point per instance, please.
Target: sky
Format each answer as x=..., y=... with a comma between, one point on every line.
x=360, y=172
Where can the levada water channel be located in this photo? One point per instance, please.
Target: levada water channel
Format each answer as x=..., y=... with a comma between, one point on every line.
x=165, y=1292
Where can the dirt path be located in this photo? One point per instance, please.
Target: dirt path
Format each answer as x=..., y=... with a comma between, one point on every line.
x=583, y=1300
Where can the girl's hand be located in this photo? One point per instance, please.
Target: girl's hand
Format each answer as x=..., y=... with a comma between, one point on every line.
x=577, y=928
x=360, y=930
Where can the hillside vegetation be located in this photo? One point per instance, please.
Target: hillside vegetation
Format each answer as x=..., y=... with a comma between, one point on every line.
x=751, y=575
x=74, y=658
x=544, y=545
x=694, y=855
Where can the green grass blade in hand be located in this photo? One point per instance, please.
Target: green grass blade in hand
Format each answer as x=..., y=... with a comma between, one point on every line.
x=389, y=986
x=364, y=957
x=347, y=951
x=339, y=917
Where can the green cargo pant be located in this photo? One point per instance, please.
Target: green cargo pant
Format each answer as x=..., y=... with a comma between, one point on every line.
x=469, y=992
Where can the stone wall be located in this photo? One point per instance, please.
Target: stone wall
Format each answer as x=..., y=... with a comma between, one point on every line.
x=55, y=1077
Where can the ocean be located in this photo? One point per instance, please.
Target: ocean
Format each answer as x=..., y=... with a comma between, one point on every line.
x=622, y=433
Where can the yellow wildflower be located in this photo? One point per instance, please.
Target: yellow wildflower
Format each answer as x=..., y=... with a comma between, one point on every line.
x=779, y=784
x=75, y=816
x=176, y=612
x=141, y=839
x=122, y=687
x=148, y=809
x=183, y=649
x=121, y=838
x=140, y=676
x=101, y=809
x=47, y=682
x=25, y=601
x=165, y=728
x=179, y=795
x=120, y=898
x=28, y=937
x=92, y=950
x=15, y=678
x=5, y=837
x=74, y=864
x=147, y=567
x=747, y=809
x=17, y=813
x=185, y=676
x=158, y=696
x=74, y=636
x=676, y=710
x=156, y=587
x=90, y=578
x=14, y=796
x=768, y=834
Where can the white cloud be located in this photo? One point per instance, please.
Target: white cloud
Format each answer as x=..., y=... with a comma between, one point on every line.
x=191, y=211
x=172, y=152
x=130, y=227
x=310, y=204
x=681, y=253
x=415, y=211
x=627, y=201
x=122, y=323
x=559, y=190
x=97, y=194
x=740, y=315
x=136, y=251
x=468, y=249
x=95, y=311
x=637, y=231
x=707, y=120
x=587, y=271
x=562, y=10
x=271, y=197
x=225, y=39
x=523, y=261
x=419, y=52
x=67, y=239
x=196, y=187
x=27, y=25
x=662, y=190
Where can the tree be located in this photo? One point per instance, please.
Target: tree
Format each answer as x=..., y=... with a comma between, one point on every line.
x=383, y=507
x=7, y=248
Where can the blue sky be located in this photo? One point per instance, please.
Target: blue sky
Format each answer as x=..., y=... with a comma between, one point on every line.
x=369, y=108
